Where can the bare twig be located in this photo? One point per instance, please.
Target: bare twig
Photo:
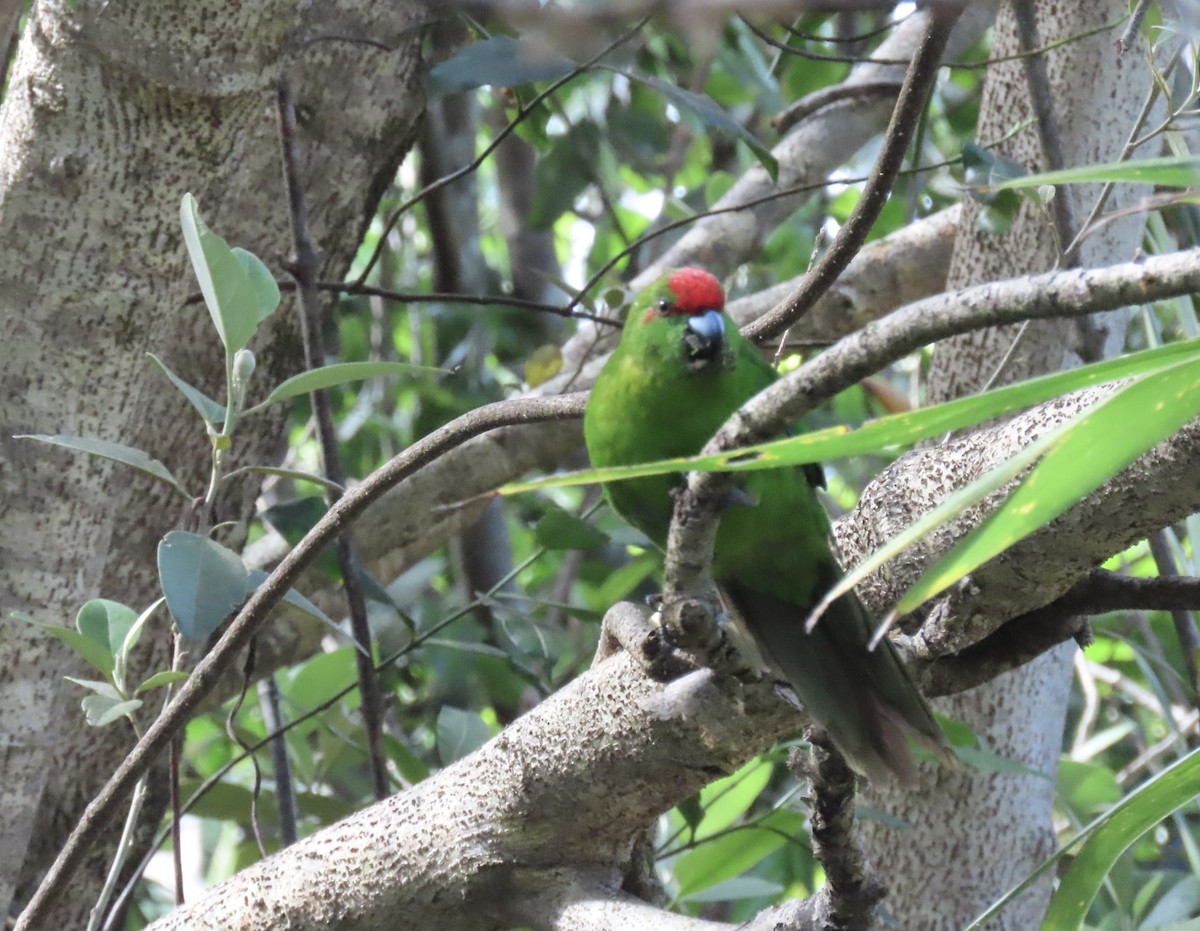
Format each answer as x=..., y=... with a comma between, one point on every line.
x=303, y=266
x=210, y=670
x=1135, y=23
x=914, y=95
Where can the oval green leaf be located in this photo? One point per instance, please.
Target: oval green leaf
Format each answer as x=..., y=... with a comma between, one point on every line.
x=106, y=622
x=128, y=455
x=210, y=410
x=204, y=582
x=338, y=374
x=231, y=293
x=500, y=61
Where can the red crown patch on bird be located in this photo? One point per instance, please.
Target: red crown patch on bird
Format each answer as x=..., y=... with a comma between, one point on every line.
x=695, y=291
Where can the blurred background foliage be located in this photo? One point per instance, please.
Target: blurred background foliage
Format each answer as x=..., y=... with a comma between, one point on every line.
x=483, y=629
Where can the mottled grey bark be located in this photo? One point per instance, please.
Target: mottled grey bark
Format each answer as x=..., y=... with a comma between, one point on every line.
x=112, y=113
x=972, y=835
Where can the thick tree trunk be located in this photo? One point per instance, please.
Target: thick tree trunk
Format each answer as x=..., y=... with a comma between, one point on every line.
x=971, y=835
x=112, y=113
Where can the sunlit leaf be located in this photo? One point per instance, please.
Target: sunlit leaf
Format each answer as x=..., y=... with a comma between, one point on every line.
x=1168, y=171
x=714, y=861
x=1110, y=836
x=1079, y=457
x=885, y=433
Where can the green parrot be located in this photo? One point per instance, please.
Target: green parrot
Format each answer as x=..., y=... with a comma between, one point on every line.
x=681, y=369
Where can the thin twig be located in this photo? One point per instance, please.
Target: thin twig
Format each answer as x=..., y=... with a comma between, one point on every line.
x=285, y=790
x=1042, y=98
x=211, y=669
x=1135, y=23
x=853, y=895
x=914, y=95
x=522, y=113
x=303, y=267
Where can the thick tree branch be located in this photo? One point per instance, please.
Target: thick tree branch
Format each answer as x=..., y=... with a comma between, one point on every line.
x=1056, y=294
x=559, y=794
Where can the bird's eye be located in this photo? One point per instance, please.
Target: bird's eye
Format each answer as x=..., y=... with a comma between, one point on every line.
x=665, y=306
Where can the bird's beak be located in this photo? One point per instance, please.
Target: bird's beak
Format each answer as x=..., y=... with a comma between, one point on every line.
x=705, y=338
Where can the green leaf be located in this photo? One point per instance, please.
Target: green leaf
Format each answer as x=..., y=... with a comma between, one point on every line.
x=255, y=578
x=563, y=173
x=101, y=710
x=106, y=623
x=294, y=474
x=711, y=114
x=500, y=61
x=722, y=858
x=161, y=678
x=210, y=410
x=231, y=283
x=127, y=455
x=887, y=433
x=739, y=887
x=1168, y=171
x=1111, y=835
x=728, y=799
x=459, y=733
x=1104, y=840
x=989, y=762
x=204, y=582
x=542, y=364
x=262, y=282
x=99, y=686
x=1079, y=457
x=338, y=374
x=558, y=530
x=95, y=654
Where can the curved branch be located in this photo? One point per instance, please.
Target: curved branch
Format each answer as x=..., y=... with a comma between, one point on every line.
x=914, y=97
x=209, y=670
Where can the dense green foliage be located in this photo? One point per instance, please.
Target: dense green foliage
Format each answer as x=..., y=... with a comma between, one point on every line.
x=466, y=644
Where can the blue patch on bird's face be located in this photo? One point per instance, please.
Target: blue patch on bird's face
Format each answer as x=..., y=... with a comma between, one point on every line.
x=704, y=338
